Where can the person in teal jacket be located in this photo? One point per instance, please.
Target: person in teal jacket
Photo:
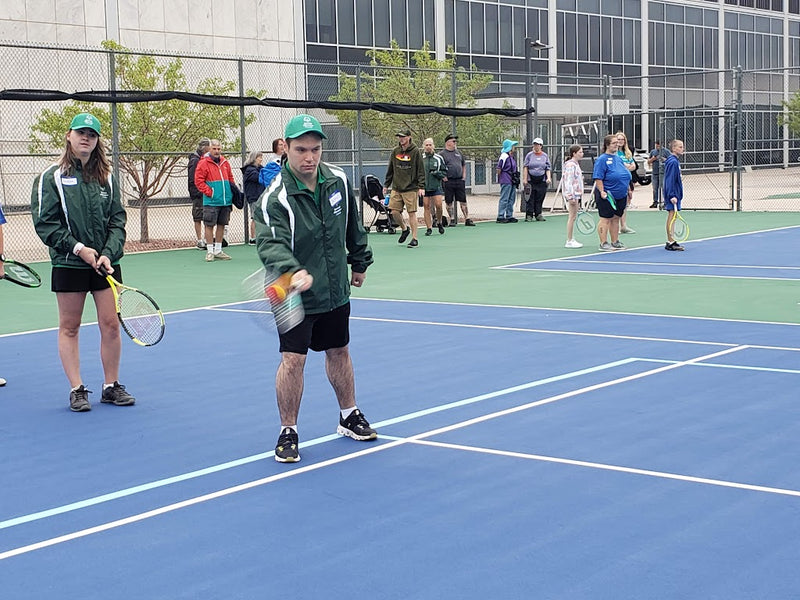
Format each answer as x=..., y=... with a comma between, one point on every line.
x=214, y=179
x=78, y=214
x=308, y=225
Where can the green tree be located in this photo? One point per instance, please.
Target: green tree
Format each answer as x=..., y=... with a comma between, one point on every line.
x=154, y=137
x=427, y=82
x=791, y=117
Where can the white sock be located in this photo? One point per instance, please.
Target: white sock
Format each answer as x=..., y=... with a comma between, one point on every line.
x=217, y=247
x=292, y=427
x=108, y=385
x=346, y=412
x=210, y=247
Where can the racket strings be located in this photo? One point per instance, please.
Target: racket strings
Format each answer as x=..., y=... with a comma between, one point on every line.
x=140, y=317
x=19, y=273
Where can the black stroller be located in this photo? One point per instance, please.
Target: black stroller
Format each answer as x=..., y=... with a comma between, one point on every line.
x=374, y=213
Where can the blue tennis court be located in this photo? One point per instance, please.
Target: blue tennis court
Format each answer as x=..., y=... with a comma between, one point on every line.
x=523, y=453
x=756, y=255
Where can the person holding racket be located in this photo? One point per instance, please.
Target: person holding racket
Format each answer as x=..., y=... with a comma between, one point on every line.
x=572, y=188
x=673, y=191
x=77, y=212
x=308, y=227
x=611, y=178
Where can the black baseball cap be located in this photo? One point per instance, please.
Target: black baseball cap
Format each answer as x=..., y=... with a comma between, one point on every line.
x=449, y=137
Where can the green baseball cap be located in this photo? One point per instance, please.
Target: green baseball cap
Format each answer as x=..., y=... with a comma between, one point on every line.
x=85, y=121
x=302, y=124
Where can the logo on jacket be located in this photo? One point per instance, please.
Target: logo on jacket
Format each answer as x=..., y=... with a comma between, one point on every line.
x=403, y=157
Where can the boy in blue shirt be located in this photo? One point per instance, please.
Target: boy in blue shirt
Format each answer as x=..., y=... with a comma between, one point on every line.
x=673, y=190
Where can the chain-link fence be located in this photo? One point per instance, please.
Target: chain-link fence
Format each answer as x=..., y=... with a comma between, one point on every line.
x=738, y=155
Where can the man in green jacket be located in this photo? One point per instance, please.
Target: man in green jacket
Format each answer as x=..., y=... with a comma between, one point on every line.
x=308, y=225
x=405, y=175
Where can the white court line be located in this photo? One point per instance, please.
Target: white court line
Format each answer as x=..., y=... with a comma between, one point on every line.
x=598, y=272
x=724, y=366
x=715, y=237
x=259, y=482
x=320, y=440
x=607, y=467
x=665, y=264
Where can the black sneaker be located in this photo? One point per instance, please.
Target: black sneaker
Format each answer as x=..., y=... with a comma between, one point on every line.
x=357, y=427
x=429, y=231
x=224, y=243
x=286, y=448
x=117, y=395
x=404, y=235
x=79, y=399
x=540, y=218
x=469, y=223
x=441, y=229
x=674, y=246
x=444, y=222
x=513, y=220
x=413, y=243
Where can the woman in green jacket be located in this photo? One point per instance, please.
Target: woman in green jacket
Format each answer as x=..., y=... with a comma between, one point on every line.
x=77, y=212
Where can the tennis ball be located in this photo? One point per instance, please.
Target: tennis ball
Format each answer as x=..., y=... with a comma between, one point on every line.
x=275, y=293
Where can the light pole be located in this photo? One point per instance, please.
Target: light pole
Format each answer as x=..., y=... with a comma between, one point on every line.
x=531, y=99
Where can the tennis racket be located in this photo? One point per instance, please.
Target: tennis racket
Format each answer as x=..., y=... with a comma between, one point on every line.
x=585, y=222
x=138, y=313
x=21, y=274
x=680, y=228
x=272, y=300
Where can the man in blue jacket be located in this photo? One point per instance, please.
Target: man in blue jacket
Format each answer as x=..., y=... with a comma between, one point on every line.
x=308, y=225
x=673, y=190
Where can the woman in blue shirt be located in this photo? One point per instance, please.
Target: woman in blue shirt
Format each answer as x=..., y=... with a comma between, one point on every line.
x=611, y=179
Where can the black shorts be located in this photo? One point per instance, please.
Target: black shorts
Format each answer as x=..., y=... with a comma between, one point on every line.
x=197, y=208
x=432, y=193
x=604, y=208
x=67, y=279
x=216, y=215
x=319, y=332
x=455, y=190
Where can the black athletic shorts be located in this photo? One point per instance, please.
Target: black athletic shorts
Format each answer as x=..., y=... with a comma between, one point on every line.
x=319, y=332
x=67, y=279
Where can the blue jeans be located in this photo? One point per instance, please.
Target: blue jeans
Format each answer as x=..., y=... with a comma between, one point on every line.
x=505, y=208
x=656, y=183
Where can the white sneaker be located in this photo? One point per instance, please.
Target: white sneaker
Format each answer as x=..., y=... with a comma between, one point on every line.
x=209, y=257
x=573, y=244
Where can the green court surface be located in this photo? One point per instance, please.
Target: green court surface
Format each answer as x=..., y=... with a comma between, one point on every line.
x=456, y=267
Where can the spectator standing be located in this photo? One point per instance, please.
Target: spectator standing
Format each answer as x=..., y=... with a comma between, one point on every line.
x=405, y=175
x=656, y=160
x=309, y=225
x=195, y=194
x=435, y=171
x=572, y=189
x=214, y=179
x=506, y=174
x=673, y=190
x=455, y=188
x=252, y=186
x=611, y=177
x=78, y=214
x=626, y=156
x=538, y=171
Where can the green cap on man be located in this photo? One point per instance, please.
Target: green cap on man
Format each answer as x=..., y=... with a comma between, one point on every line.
x=85, y=121
x=302, y=124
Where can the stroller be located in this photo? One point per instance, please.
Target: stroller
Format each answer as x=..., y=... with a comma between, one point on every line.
x=373, y=211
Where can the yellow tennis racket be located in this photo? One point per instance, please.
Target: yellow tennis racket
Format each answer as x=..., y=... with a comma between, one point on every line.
x=679, y=226
x=138, y=313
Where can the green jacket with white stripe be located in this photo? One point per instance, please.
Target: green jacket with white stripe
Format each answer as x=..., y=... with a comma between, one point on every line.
x=321, y=233
x=67, y=210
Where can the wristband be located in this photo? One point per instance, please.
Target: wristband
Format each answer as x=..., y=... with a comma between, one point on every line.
x=77, y=249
